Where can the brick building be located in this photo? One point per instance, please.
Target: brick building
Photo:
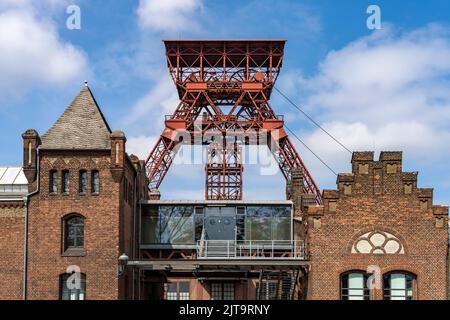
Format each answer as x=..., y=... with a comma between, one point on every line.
x=13, y=188
x=79, y=212
x=80, y=201
x=378, y=220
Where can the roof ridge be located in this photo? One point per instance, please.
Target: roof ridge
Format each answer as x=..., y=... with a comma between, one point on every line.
x=98, y=108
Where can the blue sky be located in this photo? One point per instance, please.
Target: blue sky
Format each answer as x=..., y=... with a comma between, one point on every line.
x=385, y=89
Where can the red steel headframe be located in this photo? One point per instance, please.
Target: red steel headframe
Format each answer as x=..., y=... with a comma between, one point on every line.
x=224, y=88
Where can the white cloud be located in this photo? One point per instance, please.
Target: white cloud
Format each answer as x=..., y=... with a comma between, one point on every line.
x=33, y=55
x=141, y=145
x=386, y=91
x=169, y=15
x=161, y=100
x=33, y=4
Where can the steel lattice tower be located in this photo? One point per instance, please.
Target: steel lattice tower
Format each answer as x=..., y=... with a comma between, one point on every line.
x=224, y=88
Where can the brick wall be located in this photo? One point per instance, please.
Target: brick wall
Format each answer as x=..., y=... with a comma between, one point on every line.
x=11, y=249
x=109, y=222
x=378, y=196
x=101, y=235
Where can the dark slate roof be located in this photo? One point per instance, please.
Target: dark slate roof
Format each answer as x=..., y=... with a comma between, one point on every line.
x=81, y=126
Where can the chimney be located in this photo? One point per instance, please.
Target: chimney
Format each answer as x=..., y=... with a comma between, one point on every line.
x=31, y=141
x=118, y=141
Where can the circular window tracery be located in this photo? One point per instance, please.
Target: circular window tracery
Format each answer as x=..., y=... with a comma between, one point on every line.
x=378, y=242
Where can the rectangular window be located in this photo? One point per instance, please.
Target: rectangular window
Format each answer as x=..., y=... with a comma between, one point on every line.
x=268, y=223
x=74, y=232
x=222, y=291
x=53, y=182
x=198, y=222
x=72, y=289
x=177, y=291
x=83, y=181
x=354, y=286
x=95, y=181
x=65, y=181
x=398, y=286
x=176, y=224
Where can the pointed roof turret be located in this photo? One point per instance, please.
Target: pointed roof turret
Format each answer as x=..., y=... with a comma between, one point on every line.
x=81, y=126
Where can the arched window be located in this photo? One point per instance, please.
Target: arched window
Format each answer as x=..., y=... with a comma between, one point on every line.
x=72, y=286
x=354, y=286
x=399, y=285
x=74, y=232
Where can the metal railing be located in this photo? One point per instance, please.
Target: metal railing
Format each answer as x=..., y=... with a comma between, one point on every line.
x=251, y=249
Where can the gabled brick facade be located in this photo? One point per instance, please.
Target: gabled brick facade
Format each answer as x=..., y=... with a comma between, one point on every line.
x=378, y=198
x=110, y=220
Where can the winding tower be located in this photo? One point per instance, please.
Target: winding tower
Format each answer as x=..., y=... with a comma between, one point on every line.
x=224, y=88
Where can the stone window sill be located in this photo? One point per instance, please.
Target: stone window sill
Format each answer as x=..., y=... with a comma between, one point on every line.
x=73, y=253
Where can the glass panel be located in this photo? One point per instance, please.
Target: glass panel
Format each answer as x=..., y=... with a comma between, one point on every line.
x=198, y=226
x=220, y=223
x=184, y=295
x=172, y=287
x=398, y=286
x=281, y=228
x=75, y=293
x=150, y=231
x=183, y=289
x=53, y=182
x=268, y=223
x=176, y=224
x=79, y=236
x=258, y=229
x=179, y=224
x=95, y=182
x=183, y=286
x=216, y=291
x=199, y=210
x=355, y=286
x=177, y=291
x=240, y=227
x=65, y=181
x=228, y=291
x=83, y=181
x=74, y=232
